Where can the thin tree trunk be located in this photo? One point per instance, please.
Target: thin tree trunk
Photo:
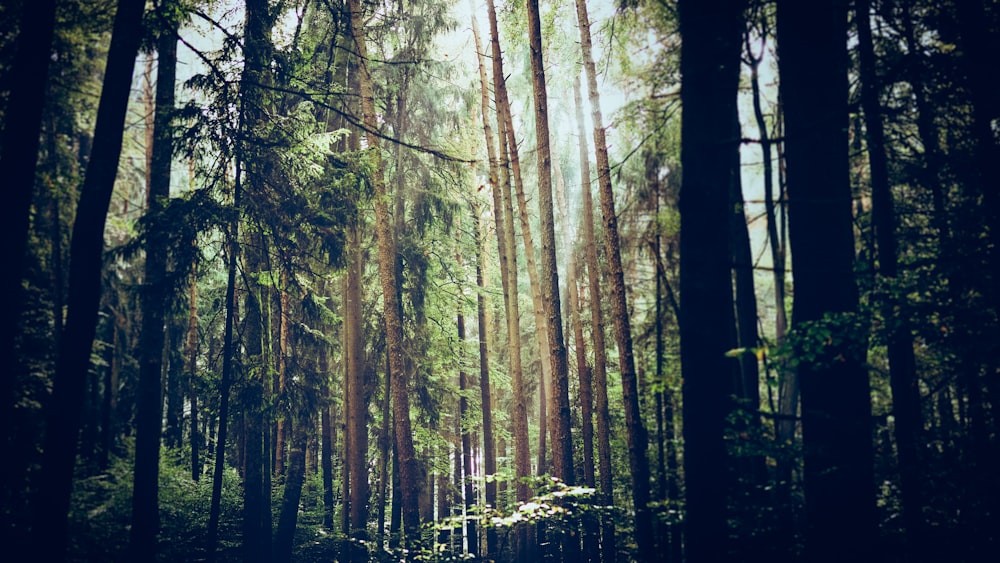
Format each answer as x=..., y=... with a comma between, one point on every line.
x=636, y=430
x=406, y=457
x=385, y=450
x=489, y=446
x=283, y=414
x=788, y=388
x=600, y=378
x=326, y=432
x=64, y=408
x=145, y=491
x=196, y=439
x=466, y=433
x=908, y=426
x=228, y=352
x=355, y=399
x=503, y=211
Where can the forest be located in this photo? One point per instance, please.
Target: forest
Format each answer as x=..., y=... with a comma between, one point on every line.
x=440, y=280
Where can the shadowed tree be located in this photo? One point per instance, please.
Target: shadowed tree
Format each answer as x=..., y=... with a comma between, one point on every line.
x=65, y=406
x=836, y=404
x=710, y=57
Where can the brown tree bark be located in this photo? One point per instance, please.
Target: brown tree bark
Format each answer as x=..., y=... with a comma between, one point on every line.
x=355, y=402
x=489, y=446
x=65, y=405
x=562, y=443
x=636, y=430
x=406, y=458
x=600, y=378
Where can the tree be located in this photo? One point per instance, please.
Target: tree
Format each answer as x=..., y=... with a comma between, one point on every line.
x=503, y=214
x=636, y=430
x=711, y=34
x=489, y=446
x=145, y=505
x=18, y=158
x=562, y=444
x=836, y=404
x=902, y=361
x=600, y=378
x=387, y=272
x=65, y=405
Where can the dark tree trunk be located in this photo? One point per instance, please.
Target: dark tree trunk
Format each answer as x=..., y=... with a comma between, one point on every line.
x=64, y=407
x=228, y=353
x=255, y=102
x=710, y=59
x=145, y=489
x=902, y=363
x=21, y=139
x=192, y=373
x=836, y=402
x=294, y=477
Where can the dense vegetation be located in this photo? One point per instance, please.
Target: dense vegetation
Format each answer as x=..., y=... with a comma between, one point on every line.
x=316, y=280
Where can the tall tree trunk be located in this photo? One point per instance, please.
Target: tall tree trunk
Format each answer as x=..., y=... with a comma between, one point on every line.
x=284, y=415
x=508, y=146
x=145, y=489
x=385, y=451
x=600, y=378
x=228, y=353
x=836, y=402
x=636, y=430
x=355, y=401
x=256, y=539
x=503, y=212
x=489, y=446
x=788, y=387
x=255, y=99
x=406, y=457
x=28, y=76
x=908, y=426
x=562, y=443
x=196, y=439
x=466, y=433
x=64, y=407
x=710, y=59
x=325, y=425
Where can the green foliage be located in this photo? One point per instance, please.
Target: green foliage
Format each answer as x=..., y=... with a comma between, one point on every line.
x=101, y=511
